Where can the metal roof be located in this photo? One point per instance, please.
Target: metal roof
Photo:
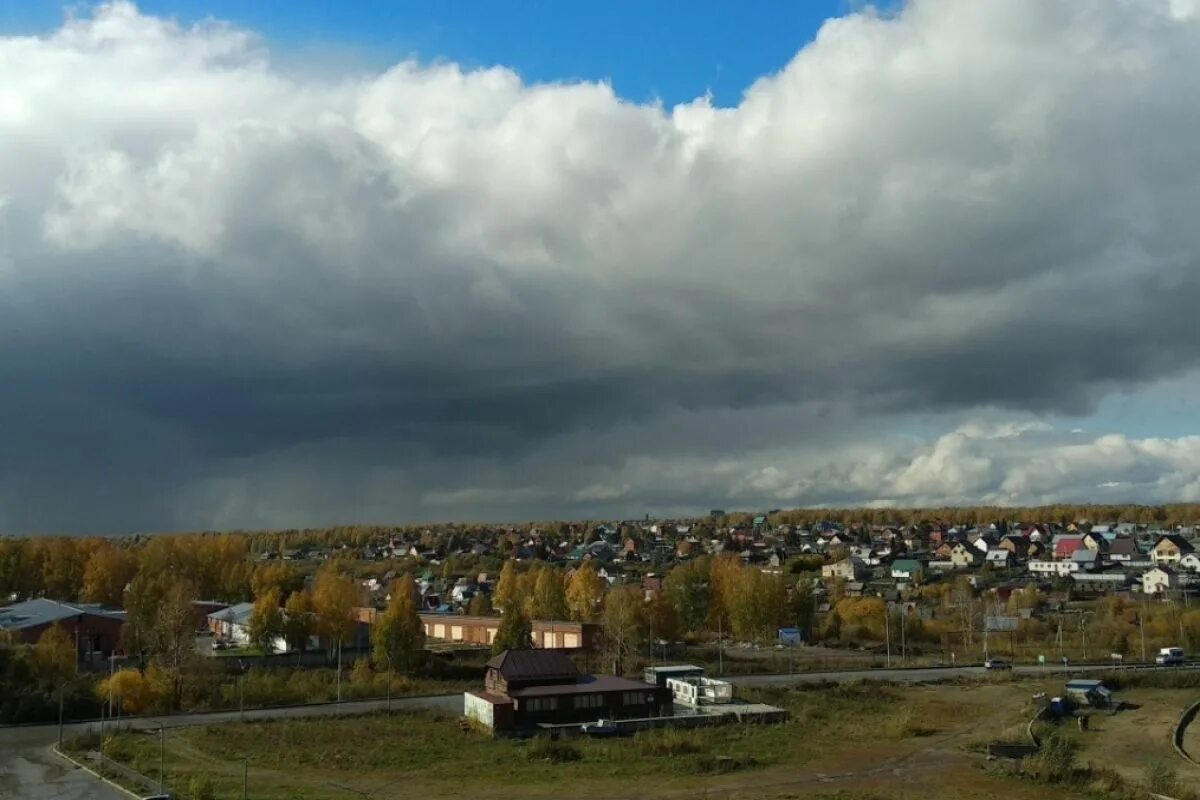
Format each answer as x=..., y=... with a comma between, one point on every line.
x=587, y=684
x=42, y=611
x=238, y=614
x=675, y=669
x=534, y=665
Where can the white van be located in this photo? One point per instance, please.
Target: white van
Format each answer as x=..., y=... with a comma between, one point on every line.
x=1169, y=655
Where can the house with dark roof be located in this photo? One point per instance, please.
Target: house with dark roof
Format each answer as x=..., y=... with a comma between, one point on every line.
x=1170, y=548
x=525, y=689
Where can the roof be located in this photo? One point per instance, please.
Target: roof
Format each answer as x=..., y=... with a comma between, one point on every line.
x=675, y=669
x=493, y=699
x=586, y=684
x=534, y=665
x=1064, y=546
x=1084, y=683
x=906, y=565
x=238, y=614
x=1181, y=543
x=42, y=611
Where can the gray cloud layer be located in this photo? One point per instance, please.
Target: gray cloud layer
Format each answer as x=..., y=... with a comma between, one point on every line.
x=229, y=295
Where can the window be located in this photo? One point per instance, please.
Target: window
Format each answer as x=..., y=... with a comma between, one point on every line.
x=588, y=701
x=635, y=698
x=541, y=704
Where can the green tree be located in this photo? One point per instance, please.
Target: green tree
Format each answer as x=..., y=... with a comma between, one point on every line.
x=687, y=587
x=397, y=637
x=515, y=631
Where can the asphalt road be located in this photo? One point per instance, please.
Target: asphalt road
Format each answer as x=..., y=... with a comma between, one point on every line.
x=925, y=674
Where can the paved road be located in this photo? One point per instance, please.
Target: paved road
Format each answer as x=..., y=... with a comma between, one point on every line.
x=29, y=769
x=924, y=674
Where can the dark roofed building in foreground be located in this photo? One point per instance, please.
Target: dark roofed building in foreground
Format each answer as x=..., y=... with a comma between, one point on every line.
x=528, y=688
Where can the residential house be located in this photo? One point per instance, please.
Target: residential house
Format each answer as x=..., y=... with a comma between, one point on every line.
x=233, y=624
x=907, y=569
x=526, y=689
x=1086, y=558
x=1190, y=562
x=1015, y=544
x=1050, y=568
x=1121, y=550
x=983, y=542
x=1096, y=541
x=1170, y=548
x=1159, y=580
x=850, y=568
x=999, y=558
x=965, y=556
x=1065, y=545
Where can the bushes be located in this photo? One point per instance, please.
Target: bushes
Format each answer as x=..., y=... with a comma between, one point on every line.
x=201, y=788
x=1055, y=762
x=668, y=742
x=556, y=752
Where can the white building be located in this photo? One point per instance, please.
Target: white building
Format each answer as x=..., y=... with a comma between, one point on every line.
x=700, y=691
x=1159, y=580
x=1061, y=568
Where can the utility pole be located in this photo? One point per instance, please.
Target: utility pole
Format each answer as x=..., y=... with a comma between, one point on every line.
x=339, y=671
x=904, y=635
x=162, y=757
x=60, y=715
x=720, y=648
x=245, y=776
x=887, y=633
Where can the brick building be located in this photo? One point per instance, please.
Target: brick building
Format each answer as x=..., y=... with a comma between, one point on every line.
x=95, y=630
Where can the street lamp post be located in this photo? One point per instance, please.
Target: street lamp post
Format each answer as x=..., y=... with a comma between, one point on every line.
x=162, y=757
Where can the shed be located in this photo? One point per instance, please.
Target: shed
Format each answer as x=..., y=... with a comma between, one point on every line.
x=790, y=636
x=1089, y=692
x=657, y=676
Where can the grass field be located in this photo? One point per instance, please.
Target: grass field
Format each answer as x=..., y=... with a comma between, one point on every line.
x=850, y=742
x=1129, y=741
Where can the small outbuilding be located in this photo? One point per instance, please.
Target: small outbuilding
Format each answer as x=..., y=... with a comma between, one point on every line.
x=1089, y=692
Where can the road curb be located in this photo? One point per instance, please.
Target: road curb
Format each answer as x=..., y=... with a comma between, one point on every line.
x=1181, y=725
x=93, y=773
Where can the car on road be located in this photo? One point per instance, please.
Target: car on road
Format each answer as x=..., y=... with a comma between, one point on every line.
x=996, y=664
x=159, y=797
x=220, y=644
x=1169, y=656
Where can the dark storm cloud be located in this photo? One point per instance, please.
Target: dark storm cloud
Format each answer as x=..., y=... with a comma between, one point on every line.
x=245, y=297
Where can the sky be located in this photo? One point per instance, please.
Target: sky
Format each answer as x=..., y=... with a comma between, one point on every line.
x=268, y=265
